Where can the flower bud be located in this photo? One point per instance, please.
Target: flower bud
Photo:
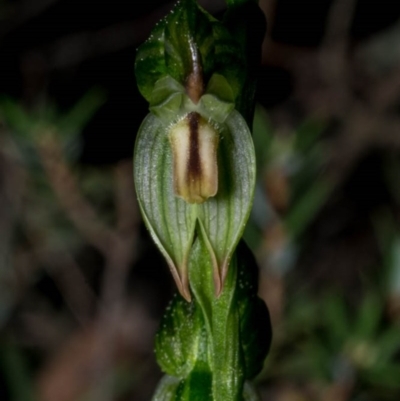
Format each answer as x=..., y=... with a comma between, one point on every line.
x=194, y=144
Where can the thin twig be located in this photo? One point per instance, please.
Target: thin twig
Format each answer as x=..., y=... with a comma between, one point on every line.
x=119, y=259
x=340, y=18
x=80, y=212
x=116, y=245
x=334, y=63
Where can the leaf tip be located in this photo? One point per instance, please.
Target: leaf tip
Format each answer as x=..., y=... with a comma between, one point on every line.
x=181, y=281
x=217, y=282
x=222, y=274
x=184, y=286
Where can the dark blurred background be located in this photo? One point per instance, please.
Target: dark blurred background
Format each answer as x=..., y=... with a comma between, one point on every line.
x=82, y=287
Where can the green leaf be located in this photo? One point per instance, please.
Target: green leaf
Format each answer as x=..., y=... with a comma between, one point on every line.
x=190, y=44
x=16, y=372
x=307, y=135
x=188, y=40
x=179, y=340
x=150, y=61
x=82, y=112
x=26, y=124
x=170, y=220
x=220, y=87
x=369, y=317
x=237, y=322
x=319, y=359
x=336, y=318
x=246, y=25
x=197, y=386
x=223, y=217
x=307, y=207
x=229, y=62
x=388, y=344
x=218, y=101
x=222, y=322
x=19, y=121
x=166, y=389
x=385, y=376
x=167, y=98
x=255, y=325
x=262, y=136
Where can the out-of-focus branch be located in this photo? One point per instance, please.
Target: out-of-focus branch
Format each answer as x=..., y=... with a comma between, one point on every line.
x=118, y=262
x=122, y=251
x=12, y=184
x=339, y=22
x=68, y=277
x=117, y=245
x=385, y=92
x=60, y=266
x=125, y=199
x=326, y=87
x=334, y=60
x=66, y=189
x=363, y=130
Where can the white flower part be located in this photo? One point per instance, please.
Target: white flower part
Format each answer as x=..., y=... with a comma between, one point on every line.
x=194, y=144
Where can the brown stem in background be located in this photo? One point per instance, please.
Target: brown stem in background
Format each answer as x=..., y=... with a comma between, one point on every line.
x=334, y=63
x=118, y=260
x=116, y=245
x=79, y=211
x=12, y=184
x=61, y=267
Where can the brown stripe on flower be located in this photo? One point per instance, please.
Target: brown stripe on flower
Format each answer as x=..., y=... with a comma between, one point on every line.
x=194, y=163
x=194, y=145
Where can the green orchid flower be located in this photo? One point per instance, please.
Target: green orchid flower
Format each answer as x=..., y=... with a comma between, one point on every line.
x=194, y=171
x=194, y=156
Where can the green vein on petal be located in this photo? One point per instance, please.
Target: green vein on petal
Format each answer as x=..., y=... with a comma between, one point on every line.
x=232, y=204
x=170, y=220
